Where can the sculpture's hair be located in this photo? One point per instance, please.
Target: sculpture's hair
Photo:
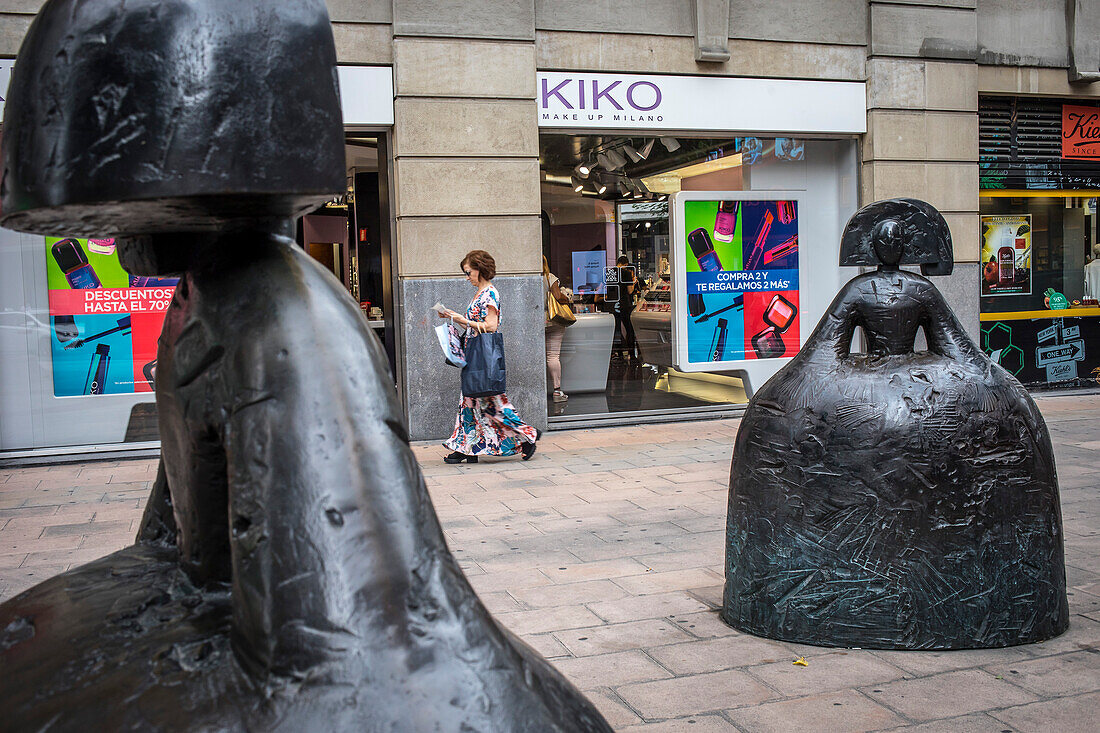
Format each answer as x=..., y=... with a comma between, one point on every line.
x=481, y=261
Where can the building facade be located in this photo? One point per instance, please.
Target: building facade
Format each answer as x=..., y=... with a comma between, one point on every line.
x=471, y=161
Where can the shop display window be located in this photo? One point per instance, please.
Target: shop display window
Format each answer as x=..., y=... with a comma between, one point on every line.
x=607, y=237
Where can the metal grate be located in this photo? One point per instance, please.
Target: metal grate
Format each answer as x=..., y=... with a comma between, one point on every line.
x=1020, y=146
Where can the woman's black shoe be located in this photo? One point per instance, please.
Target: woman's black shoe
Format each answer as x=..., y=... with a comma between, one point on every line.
x=529, y=448
x=457, y=457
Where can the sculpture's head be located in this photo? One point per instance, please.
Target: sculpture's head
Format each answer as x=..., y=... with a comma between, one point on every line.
x=129, y=117
x=898, y=232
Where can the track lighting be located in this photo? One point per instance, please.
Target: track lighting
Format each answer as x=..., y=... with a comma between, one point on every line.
x=671, y=144
x=604, y=160
x=616, y=158
x=633, y=154
x=599, y=186
x=578, y=184
x=582, y=170
x=647, y=148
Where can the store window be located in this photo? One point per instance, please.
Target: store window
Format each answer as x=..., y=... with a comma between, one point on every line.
x=78, y=334
x=1040, y=263
x=607, y=238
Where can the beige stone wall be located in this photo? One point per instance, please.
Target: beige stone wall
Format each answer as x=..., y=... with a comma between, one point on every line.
x=922, y=122
x=466, y=172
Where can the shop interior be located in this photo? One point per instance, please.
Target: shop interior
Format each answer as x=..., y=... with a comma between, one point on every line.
x=607, y=197
x=349, y=236
x=1060, y=229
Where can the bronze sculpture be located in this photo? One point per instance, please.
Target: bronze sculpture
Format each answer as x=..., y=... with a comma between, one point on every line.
x=897, y=499
x=290, y=572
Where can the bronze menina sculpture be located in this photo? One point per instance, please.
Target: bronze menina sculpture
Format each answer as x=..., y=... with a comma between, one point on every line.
x=897, y=499
x=290, y=572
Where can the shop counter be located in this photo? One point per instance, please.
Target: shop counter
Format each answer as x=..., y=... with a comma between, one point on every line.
x=653, y=332
x=586, y=353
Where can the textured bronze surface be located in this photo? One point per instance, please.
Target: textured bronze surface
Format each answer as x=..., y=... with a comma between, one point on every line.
x=290, y=572
x=895, y=499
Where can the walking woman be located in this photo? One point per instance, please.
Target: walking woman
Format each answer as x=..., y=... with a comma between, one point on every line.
x=554, y=332
x=485, y=426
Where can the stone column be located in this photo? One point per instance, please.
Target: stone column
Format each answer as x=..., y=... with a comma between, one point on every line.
x=922, y=125
x=466, y=176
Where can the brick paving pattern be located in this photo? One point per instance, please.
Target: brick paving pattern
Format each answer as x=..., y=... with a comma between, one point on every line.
x=605, y=553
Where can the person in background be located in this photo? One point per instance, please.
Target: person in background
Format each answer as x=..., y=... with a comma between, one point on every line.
x=628, y=283
x=1092, y=273
x=485, y=426
x=554, y=332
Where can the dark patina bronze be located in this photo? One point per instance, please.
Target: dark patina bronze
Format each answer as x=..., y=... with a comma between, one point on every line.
x=290, y=572
x=895, y=499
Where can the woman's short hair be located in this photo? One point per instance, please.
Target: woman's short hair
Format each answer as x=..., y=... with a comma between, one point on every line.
x=623, y=260
x=481, y=261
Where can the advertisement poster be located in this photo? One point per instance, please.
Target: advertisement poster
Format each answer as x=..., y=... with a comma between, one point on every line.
x=1045, y=351
x=104, y=322
x=1006, y=255
x=588, y=272
x=740, y=259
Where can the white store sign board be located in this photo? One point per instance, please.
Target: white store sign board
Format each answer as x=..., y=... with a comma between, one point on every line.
x=366, y=92
x=652, y=102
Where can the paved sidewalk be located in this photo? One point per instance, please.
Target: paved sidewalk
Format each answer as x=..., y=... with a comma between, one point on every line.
x=605, y=553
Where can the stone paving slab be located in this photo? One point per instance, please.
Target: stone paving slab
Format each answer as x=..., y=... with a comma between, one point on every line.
x=605, y=553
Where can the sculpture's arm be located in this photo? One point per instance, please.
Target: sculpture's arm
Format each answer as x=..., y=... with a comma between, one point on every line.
x=833, y=335
x=943, y=331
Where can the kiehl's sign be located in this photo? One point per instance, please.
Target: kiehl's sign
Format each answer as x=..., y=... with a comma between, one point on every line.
x=1080, y=132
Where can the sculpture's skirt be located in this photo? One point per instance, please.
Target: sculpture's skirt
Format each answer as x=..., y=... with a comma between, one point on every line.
x=905, y=502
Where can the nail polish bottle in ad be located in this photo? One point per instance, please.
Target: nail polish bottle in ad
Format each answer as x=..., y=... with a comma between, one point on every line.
x=718, y=342
x=780, y=312
x=70, y=257
x=701, y=247
x=768, y=344
x=96, y=381
x=725, y=221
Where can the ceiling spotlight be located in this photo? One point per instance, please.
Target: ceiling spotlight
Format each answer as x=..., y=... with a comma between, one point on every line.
x=648, y=224
x=599, y=186
x=671, y=144
x=616, y=158
x=582, y=170
x=604, y=160
x=647, y=148
x=633, y=154
x=640, y=186
x=578, y=184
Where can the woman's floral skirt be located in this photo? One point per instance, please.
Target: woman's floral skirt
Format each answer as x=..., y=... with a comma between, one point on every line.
x=489, y=426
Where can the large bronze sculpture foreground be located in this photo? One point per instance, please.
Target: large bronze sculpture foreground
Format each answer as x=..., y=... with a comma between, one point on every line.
x=894, y=499
x=290, y=573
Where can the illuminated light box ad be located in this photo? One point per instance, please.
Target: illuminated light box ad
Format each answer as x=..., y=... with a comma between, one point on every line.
x=735, y=288
x=104, y=322
x=1006, y=255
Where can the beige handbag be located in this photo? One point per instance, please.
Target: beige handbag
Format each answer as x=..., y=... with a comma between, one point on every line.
x=557, y=312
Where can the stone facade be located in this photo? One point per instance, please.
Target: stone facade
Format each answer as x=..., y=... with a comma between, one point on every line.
x=465, y=142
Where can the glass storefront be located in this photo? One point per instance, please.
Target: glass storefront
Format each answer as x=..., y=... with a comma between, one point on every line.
x=607, y=236
x=78, y=334
x=1039, y=253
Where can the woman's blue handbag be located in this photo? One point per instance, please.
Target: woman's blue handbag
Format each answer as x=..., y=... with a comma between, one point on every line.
x=483, y=375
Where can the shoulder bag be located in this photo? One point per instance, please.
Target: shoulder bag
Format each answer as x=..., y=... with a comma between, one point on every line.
x=484, y=374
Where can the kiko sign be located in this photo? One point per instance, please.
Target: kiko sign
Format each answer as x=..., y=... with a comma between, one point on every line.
x=631, y=101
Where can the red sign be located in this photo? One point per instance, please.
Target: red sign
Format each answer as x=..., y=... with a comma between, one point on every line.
x=1080, y=132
